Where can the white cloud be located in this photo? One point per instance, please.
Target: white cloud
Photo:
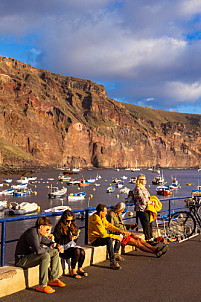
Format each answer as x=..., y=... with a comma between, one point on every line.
x=183, y=92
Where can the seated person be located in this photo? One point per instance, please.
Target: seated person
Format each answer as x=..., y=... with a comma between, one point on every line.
x=98, y=236
x=114, y=217
x=35, y=248
x=66, y=234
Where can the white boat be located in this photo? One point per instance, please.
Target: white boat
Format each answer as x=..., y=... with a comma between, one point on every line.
x=62, y=177
x=120, y=185
x=110, y=189
x=55, y=192
x=3, y=204
x=21, y=208
x=125, y=190
x=135, y=168
x=98, y=177
x=57, y=209
x=22, y=192
x=23, y=180
x=7, y=192
x=1, y=184
x=19, y=186
x=91, y=180
x=76, y=196
x=31, y=178
x=8, y=180
x=133, y=180
x=124, y=177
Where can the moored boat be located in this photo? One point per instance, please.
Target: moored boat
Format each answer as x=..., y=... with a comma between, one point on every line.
x=62, y=177
x=84, y=183
x=163, y=190
x=7, y=192
x=110, y=189
x=76, y=196
x=15, y=208
x=55, y=192
x=57, y=209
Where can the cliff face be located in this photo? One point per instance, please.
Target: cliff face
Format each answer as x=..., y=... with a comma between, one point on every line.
x=50, y=119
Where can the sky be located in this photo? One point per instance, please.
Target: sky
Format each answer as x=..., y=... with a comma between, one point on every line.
x=145, y=52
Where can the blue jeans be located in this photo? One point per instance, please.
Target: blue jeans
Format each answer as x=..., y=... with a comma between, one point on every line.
x=109, y=242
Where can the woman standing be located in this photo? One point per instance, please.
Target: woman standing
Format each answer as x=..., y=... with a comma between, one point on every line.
x=141, y=200
x=66, y=234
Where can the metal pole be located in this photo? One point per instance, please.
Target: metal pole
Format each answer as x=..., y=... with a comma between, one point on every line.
x=3, y=243
x=86, y=226
x=169, y=209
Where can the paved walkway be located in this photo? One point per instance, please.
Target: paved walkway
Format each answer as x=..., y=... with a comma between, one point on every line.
x=175, y=276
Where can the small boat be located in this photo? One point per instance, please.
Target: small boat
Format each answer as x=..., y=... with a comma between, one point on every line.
x=15, y=208
x=1, y=184
x=3, y=204
x=55, y=192
x=135, y=168
x=124, y=177
x=31, y=178
x=133, y=180
x=163, y=190
x=23, y=180
x=120, y=185
x=116, y=180
x=91, y=180
x=81, y=214
x=84, y=183
x=20, y=186
x=76, y=196
x=73, y=182
x=8, y=180
x=57, y=209
x=125, y=190
x=22, y=192
x=110, y=189
x=97, y=185
x=62, y=177
x=98, y=177
x=7, y=192
x=158, y=180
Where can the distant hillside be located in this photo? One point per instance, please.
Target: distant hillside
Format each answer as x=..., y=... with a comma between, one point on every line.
x=49, y=119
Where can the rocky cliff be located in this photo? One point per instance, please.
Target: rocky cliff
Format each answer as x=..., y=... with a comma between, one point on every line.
x=49, y=119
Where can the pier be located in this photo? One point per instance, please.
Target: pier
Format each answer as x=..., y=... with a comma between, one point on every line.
x=173, y=277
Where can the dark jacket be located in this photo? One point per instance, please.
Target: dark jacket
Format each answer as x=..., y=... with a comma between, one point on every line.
x=32, y=242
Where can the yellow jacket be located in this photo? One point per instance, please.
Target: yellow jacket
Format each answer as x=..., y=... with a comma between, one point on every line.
x=97, y=228
x=154, y=207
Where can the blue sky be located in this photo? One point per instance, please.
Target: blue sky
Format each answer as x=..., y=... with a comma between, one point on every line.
x=145, y=52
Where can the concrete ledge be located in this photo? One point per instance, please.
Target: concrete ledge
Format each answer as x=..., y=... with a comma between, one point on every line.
x=14, y=279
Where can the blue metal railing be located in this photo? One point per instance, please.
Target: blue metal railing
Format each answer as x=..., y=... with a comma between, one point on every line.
x=4, y=222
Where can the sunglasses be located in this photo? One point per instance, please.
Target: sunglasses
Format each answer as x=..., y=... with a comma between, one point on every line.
x=68, y=220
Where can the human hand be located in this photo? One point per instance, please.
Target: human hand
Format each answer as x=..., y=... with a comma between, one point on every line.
x=51, y=237
x=120, y=238
x=60, y=248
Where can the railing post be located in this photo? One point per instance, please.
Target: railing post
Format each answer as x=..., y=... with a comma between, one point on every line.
x=3, y=243
x=169, y=208
x=86, y=226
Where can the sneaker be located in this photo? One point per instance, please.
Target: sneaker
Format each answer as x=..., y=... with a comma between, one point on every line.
x=115, y=265
x=118, y=257
x=161, y=251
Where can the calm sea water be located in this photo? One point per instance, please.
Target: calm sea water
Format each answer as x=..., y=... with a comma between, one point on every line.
x=94, y=194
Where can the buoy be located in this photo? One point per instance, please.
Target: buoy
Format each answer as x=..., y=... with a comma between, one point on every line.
x=149, y=186
x=117, y=196
x=91, y=195
x=35, y=192
x=105, y=179
x=48, y=187
x=130, y=214
x=35, y=186
x=78, y=188
x=94, y=189
x=38, y=208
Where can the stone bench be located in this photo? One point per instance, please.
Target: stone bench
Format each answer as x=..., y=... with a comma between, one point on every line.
x=14, y=279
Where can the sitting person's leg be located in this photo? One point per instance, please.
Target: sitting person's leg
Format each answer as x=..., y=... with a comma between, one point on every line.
x=54, y=264
x=33, y=260
x=109, y=243
x=117, y=246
